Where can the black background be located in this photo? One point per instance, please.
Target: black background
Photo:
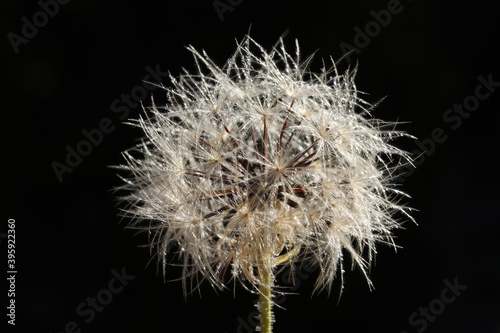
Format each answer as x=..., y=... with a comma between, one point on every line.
x=69, y=238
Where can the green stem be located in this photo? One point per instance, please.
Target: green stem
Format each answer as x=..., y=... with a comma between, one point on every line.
x=265, y=302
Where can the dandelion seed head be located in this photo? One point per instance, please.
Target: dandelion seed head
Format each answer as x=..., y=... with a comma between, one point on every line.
x=262, y=163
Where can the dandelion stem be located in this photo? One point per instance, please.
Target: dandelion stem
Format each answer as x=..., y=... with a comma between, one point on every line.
x=265, y=301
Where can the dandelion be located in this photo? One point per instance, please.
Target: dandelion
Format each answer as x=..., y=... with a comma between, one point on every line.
x=262, y=164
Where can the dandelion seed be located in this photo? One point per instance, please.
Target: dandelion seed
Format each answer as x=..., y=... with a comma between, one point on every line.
x=261, y=164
